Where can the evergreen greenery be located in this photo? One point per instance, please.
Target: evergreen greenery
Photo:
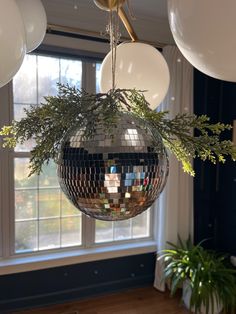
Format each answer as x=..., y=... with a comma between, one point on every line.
x=48, y=123
x=211, y=277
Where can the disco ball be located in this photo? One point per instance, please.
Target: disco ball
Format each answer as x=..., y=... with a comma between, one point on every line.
x=114, y=175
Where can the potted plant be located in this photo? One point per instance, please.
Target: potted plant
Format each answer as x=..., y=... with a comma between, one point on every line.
x=207, y=278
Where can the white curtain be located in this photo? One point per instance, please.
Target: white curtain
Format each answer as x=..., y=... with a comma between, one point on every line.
x=175, y=205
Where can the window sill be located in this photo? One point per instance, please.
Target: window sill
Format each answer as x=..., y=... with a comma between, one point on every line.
x=29, y=263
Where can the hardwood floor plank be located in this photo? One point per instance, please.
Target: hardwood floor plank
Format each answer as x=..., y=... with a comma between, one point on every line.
x=137, y=301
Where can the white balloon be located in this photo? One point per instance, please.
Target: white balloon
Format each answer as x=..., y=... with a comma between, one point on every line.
x=138, y=66
x=12, y=40
x=35, y=21
x=204, y=31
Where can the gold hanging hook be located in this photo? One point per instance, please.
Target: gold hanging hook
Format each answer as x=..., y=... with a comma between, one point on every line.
x=111, y=5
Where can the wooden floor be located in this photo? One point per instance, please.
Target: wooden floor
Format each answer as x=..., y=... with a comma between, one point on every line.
x=136, y=301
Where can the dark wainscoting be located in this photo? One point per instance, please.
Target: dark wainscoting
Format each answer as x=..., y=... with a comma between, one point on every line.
x=215, y=186
x=60, y=284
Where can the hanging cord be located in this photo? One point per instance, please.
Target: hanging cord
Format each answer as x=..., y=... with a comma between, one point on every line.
x=113, y=28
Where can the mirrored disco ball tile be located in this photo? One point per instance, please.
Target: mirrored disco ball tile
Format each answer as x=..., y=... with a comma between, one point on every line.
x=113, y=178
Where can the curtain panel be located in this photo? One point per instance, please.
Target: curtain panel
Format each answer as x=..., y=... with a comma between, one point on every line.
x=175, y=205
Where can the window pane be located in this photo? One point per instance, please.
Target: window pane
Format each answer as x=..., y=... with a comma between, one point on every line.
x=48, y=77
x=122, y=230
x=71, y=231
x=19, y=112
x=49, y=203
x=49, y=234
x=135, y=228
x=67, y=208
x=24, y=79
x=48, y=176
x=141, y=224
x=26, y=202
x=104, y=231
x=71, y=72
x=25, y=92
x=26, y=236
x=98, y=77
x=21, y=175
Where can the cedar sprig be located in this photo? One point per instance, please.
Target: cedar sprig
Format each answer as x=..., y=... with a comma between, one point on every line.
x=48, y=123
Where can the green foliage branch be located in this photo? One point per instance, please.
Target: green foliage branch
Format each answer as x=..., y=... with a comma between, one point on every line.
x=48, y=123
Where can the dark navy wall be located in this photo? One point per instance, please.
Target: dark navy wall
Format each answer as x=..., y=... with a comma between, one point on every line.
x=55, y=285
x=215, y=185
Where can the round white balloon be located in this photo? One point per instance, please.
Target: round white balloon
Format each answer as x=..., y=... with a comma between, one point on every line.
x=138, y=66
x=204, y=31
x=12, y=40
x=35, y=21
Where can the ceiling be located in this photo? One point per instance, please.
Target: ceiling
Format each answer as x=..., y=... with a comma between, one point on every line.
x=150, y=8
x=150, y=23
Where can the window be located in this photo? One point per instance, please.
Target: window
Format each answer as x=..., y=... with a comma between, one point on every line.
x=42, y=219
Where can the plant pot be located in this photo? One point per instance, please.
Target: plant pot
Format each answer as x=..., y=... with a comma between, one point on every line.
x=186, y=296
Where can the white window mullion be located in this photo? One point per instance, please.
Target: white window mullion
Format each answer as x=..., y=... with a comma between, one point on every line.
x=152, y=223
x=88, y=84
x=88, y=231
x=11, y=214
x=6, y=165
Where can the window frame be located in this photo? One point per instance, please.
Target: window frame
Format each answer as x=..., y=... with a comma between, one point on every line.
x=89, y=250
